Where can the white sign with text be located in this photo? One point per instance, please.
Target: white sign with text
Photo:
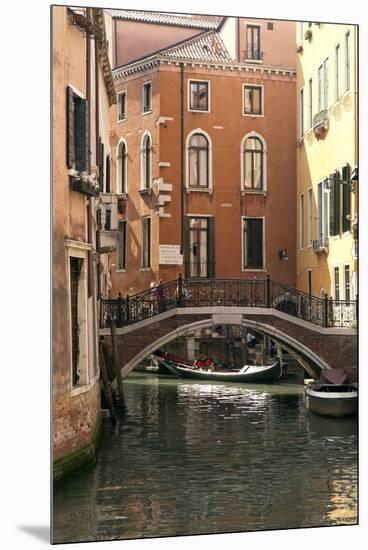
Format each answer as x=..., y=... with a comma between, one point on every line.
x=170, y=254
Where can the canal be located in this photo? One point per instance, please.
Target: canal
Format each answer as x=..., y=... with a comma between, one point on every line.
x=196, y=458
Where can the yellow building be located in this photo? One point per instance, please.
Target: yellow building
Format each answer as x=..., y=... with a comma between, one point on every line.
x=326, y=159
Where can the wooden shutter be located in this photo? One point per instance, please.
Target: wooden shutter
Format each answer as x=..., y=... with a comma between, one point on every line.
x=332, y=205
x=101, y=165
x=254, y=236
x=337, y=202
x=211, y=248
x=346, y=199
x=108, y=190
x=81, y=134
x=70, y=146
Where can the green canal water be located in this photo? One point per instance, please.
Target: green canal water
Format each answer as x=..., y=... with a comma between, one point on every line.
x=196, y=458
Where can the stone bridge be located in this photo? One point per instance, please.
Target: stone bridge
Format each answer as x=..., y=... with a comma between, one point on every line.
x=315, y=347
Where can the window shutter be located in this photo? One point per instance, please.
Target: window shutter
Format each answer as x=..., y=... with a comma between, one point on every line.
x=108, y=190
x=211, y=248
x=337, y=202
x=346, y=199
x=70, y=146
x=101, y=166
x=81, y=134
x=332, y=205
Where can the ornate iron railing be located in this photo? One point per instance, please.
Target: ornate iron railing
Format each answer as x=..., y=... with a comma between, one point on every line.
x=201, y=292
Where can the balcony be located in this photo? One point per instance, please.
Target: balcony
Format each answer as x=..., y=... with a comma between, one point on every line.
x=108, y=222
x=251, y=54
x=320, y=123
x=320, y=245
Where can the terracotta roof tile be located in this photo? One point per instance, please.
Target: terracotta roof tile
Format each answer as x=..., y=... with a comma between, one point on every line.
x=205, y=47
x=179, y=20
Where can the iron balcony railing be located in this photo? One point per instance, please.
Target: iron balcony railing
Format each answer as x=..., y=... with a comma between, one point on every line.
x=201, y=292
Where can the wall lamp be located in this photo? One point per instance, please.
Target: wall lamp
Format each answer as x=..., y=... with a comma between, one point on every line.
x=283, y=254
x=351, y=183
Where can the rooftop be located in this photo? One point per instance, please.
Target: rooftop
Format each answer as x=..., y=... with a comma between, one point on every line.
x=180, y=20
x=205, y=47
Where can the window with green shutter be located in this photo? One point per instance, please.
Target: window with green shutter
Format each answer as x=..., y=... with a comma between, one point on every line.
x=346, y=199
x=253, y=243
x=77, y=132
x=335, y=203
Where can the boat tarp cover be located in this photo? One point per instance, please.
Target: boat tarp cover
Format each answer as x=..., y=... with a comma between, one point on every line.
x=333, y=376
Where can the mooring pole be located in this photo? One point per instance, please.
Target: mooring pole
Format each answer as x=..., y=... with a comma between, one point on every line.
x=106, y=385
x=115, y=361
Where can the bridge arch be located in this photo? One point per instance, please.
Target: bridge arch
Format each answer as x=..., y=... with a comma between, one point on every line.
x=308, y=359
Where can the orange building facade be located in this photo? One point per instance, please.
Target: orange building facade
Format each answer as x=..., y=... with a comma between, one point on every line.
x=203, y=163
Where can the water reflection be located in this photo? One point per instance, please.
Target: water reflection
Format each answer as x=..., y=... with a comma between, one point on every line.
x=208, y=458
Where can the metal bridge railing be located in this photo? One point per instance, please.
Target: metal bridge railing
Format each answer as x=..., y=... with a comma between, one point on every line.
x=202, y=292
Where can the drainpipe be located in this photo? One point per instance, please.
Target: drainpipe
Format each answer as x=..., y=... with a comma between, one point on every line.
x=182, y=159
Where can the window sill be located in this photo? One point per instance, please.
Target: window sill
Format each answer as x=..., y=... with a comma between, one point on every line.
x=145, y=269
x=78, y=390
x=121, y=120
x=144, y=113
x=254, y=115
x=346, y=234
x=199, y=190
x=258, y=61
x=198, y=111
x=245, y=269
x=120, y=270
x=253, y=192
x=147, y=191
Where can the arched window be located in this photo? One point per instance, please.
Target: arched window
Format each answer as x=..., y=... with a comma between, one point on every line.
x=198, y=151
x=253, y=164
x=122, y=168
x=146, y=161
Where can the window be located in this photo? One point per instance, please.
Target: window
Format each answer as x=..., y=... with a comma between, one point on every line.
x=253, y=243
x=337, y=283
x=101, y=165
x=253, y=100
x=310, y=216
x=347, y=61
x=309, y=282
x=347, y=282
x=253, y=161
x=146, y=162
x=198, y=247
x=335, y=204
x=122, y=245
x=301, y=220
x=198, y=95
x=253, y=42
x=269, y=26
x=78, y=318
x=198, y=161
x=310, y=111
x=77, y=132
x=301, y=107
x=121, y=106
x=147, y=97
x=322, y=220
x=122, y=168
x=146, y=243
x=346, y=200
x=301, y=30
x=108, y=181
x=337, y=52
x=323, y=86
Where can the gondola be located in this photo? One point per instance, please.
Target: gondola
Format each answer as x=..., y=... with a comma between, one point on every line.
x=248, y=374
x=333, y=395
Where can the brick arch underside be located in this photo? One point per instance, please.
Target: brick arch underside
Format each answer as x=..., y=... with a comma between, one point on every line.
x=315, y=351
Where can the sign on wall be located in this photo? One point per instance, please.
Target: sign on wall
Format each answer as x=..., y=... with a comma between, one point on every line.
x=170, y=254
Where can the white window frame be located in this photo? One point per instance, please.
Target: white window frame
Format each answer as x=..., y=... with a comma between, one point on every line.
x=310, y=217
x=122, y=270
x=122, y=92
x=243, y=189
x=337, y=72
x=208, y=189
x=119, y=167
x=347, y=61
x=76, y=249
x=336, y=266
x=150, y=245
x=310, y=104
x=301, y=113
x=244, y=85
x=144, y=84
x=209, y=95
x=323, y=212
x=347, y=264
x=301, y=221
x=142, y=151
x=242, y=220
x=323, y=86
